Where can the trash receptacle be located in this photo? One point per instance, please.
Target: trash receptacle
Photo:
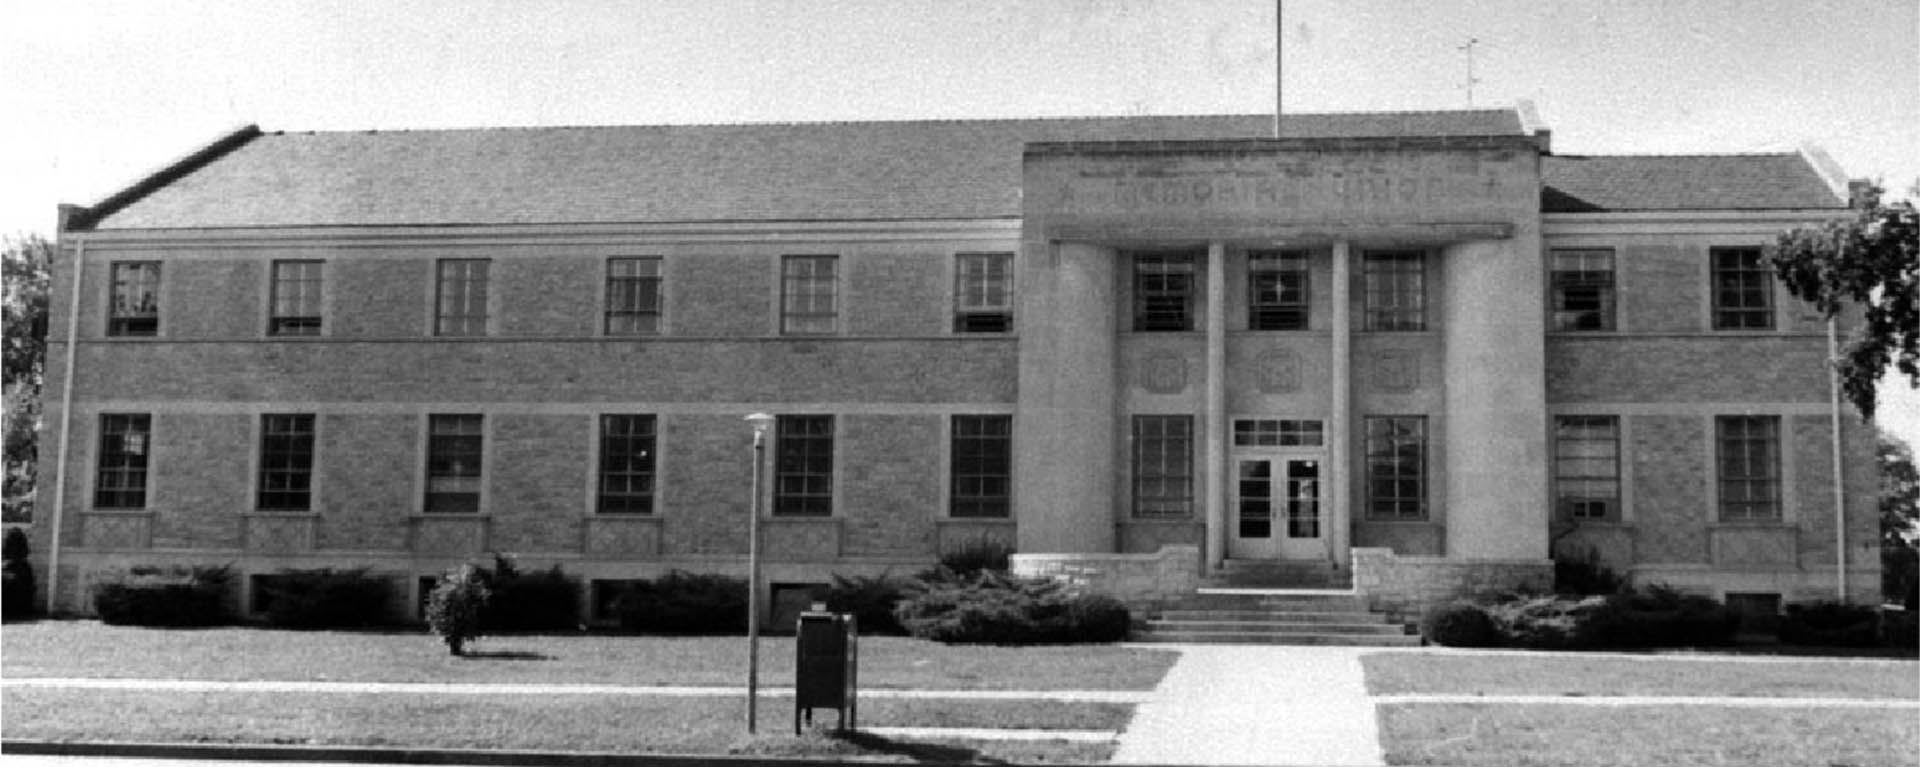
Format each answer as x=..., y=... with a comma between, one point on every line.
x=825, y=667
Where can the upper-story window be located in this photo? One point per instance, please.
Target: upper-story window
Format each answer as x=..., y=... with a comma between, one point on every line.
x=296, y=298
x=461, y=309
x=1583, y=289
x=134, y=308
x=809, y=295
x=1163, y=292
x=1277, y=291
x=1742, y=290
x=633, y=296
x=983, y=293
x=1395, y=295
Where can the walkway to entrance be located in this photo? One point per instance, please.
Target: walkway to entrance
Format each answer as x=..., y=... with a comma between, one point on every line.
x=1224, y=704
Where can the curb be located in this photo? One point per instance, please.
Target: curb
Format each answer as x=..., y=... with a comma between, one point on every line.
x=426, y=756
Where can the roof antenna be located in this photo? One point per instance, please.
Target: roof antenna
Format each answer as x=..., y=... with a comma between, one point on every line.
x=1471, y=41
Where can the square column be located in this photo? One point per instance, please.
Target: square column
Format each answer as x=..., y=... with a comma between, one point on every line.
x=1339, y=416
x=1216, y=405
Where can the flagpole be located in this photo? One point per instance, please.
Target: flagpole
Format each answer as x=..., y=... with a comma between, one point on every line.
x=1279, y=34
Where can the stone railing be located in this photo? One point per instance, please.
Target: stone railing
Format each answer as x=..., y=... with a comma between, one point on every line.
x=1408, y=586
x=1137, y=579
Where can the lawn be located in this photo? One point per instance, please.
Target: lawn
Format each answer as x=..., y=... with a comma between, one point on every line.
x=1606, y=736
x=630, y=724
x=1516, y=674
x=91, y=649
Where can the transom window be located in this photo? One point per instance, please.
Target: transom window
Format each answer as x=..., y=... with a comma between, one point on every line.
x=296, y=298
x=1395, y=295
x=809, y=294
x=1586, y=467
x=125, y=443
x=983, y=293
x=1277, y=432
x=286, y=462
x=1742, y=290
x=633, y=296
x=803, y=466
x=134, y=308
x=461, y=308
x=1163, y=292
x=1396, y=467
x=1277, y=291
x=1583, y=289
x=455, y=448
x=1162, y=466
x=1748, y=466
x=982, y=468
x=627, y=464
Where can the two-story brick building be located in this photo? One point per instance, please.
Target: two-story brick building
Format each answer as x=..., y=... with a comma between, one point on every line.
x=1414, y=353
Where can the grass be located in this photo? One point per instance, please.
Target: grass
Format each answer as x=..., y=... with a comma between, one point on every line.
x=1602, y=736
x=1513, y=674
x=91, y=649
x=567, y=723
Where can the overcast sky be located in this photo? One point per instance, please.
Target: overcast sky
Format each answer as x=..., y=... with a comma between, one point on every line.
x=100, y=92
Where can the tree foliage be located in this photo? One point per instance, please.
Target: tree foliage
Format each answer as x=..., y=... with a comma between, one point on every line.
x=24, y=264
x=1871, y=258
x=1899, y=520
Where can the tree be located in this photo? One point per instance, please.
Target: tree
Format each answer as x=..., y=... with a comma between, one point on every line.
x=1899, y=520
x=1871, y=258
x=24, y=265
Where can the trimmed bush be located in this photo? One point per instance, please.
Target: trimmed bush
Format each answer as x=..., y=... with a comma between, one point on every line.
x=456, y=605
x=1830, y=624
x=1580, y=573
x=1545, y=623
x=971, y=558
x=155, y=596
x=540, y=601
x=1001, y=609
x=1461, y=624
x=327, y=599
x=684, y=603
x=19, y=590
x=871, y=600
x=1654, y=617
x=1900, y=628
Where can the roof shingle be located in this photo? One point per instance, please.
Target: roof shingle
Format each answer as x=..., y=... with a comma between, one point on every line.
x=1589, y=183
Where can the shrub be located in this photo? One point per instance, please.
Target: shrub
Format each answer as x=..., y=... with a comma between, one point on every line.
x=455, y=606
x=541, y=601
x=1580, y=572
x=970, y=559
x=1546, y=623
x=684, y=603
x=1900, y=628
x=18, y=593
x=154, y=596
x=1830, y=624
x=871, y=600
x=327, y=598
x=1654, y=617
x=1000, y=609
x=1461, y=624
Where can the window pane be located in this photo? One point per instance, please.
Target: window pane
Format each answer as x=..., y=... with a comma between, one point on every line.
x=983, y=293
x=1396, y=467
x=1395, y=290
x=633, y=296
x=134, y=307
x=982, y=466
x=1742, y=289
x=1748, y=465
x=808, y=294
x=1277, y=291
x=627, y=464
x=286, y=462
x=455, y=449
x=1162, y=466
x=462, y=304
x=296, y=298
x=803, y=465
x=1163, y=292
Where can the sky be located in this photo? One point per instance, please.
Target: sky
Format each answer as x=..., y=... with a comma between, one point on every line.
x=102, y=92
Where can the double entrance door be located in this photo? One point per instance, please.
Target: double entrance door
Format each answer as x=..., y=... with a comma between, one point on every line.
x=1277, y=508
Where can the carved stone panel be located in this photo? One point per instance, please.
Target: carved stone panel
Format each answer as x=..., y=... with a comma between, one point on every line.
x=1164, y=373
x=116, y=531
x=623, y=536
x=1279, y=371
x=1396, y=370
x=1755, y=546
x=450, y=535
x=793, y=539
x=279, y=534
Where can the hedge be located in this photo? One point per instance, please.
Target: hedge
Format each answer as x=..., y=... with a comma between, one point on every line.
x=684, y=603
x=327, y=598
x=154, y=596
x=993, y=608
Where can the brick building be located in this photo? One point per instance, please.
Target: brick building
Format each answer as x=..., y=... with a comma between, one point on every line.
x=1409, y=353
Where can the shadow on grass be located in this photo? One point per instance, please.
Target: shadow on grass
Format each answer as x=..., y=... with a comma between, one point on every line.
x=504, y=655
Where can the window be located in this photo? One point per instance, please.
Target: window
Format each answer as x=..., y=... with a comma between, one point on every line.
x=808, y=295
x=454, y=449
x=803, y=466
x=983, y=293
x=982, y=466
x=1749, y=467
x=1395, y=296
x=626, y=464
x=1277, y=291
x=1396, y=467
x=286, y=462
x=1586, y=467
x=1742, y=290
x=1162, y=466
x=1273, y=432
x=633, y=296
x=135, y=307
x=1583, y=289
x=125, y=441
x=296, y=299
x=1162, y=293
x=462, y=305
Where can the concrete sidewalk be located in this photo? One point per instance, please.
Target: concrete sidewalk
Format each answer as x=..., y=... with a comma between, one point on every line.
x=1257, y=705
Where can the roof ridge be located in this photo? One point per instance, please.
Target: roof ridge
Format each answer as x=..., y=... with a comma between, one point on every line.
x=1671, y=155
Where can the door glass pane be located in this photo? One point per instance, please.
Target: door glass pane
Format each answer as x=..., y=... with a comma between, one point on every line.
x=1303, y=499
x=1256, y=499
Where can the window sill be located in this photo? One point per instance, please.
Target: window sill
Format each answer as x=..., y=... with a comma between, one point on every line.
x=1771, y=524
x=1159, y=521
x=281, y=514
x=624, y=517
x=121, y=512
x=1409, y=522
x=427, y=515
x=951, y=520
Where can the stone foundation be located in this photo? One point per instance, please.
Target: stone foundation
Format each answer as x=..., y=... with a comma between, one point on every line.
x=1140, y=580
x=1408, y=586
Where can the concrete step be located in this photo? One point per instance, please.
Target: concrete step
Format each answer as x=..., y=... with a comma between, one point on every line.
x=1344, y=616
x=1273, y=599
x=1352, y=640
x=1279, y=626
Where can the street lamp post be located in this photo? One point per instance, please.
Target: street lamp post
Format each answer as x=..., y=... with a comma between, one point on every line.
x=761, y=422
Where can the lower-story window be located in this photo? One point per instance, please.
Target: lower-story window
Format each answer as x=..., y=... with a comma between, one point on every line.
x=454, y=450
x=982, y=466
x=1397, y=467
x=626, y=464
x=1162, y=466
x=803, y=466
x=1586, y=467
x=1748, y=467
x=125, y=443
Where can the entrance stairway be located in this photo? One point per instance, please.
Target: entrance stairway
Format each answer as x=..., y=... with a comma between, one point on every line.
x=1281, y=603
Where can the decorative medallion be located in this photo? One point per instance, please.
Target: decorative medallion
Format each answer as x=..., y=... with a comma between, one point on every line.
x=1164, y=373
